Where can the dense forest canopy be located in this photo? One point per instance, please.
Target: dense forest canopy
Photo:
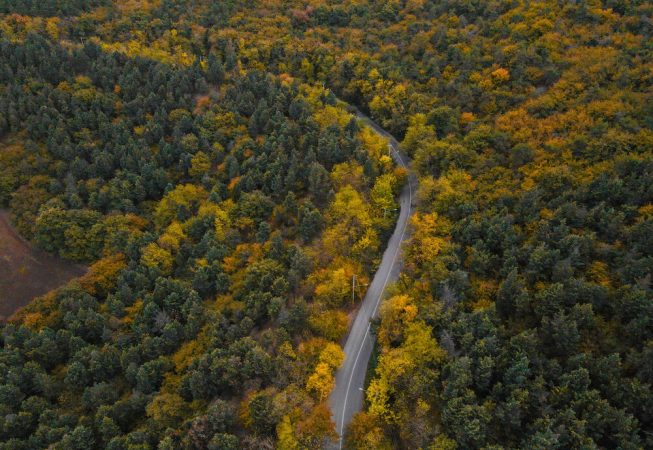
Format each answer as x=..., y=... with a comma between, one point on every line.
x=224, y=215
x=196, y=156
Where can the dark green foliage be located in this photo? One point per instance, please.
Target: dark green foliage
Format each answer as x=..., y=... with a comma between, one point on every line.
x=89, y=188
x=49, y=7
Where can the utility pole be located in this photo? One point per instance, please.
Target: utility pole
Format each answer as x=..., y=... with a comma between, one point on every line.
x=353, y=285
x=386, y=210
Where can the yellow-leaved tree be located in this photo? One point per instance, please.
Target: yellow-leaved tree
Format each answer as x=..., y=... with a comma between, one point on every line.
x=185, y=200
x=200, y=164
x=419, y=351
x=417, y=133
x=172, y=237
x=397, y=313
x=286, y=439
x=153, y=256
x=321, y=382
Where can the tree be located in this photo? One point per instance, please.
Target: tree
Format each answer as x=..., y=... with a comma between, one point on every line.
x=350, y=209
x=224, y=441
x=259, y=416
x=319, y=184
x=418, y=134
x=366, y=432
x=153, y=256
x=511, y=294
x=200, y=164
x=285, y=435
x=396, y=314
x=321, y=382
x=317, y=428
x=335, y=287
x=172, y=237
x=332, y=355
x=311, y=223
x=437, y=157
x=167, y=408
x=180, y=203
x=383, y=191
x=331, y=324
x=215, y=70
x=74, y=234
x=348, y=173
x=80, y=438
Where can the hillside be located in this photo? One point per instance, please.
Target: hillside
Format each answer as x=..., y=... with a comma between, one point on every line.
x=195, y=156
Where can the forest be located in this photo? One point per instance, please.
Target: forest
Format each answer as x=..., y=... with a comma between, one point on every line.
x=196, y=156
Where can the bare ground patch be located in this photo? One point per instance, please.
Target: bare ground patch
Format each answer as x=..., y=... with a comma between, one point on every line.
x=27, y=272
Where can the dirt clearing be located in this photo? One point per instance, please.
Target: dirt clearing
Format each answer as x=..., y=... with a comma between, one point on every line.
x=27, y=272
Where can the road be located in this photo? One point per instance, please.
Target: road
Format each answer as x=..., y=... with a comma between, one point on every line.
x=347, y=396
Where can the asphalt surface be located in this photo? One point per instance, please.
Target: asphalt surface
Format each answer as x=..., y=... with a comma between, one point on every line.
x=347, y=396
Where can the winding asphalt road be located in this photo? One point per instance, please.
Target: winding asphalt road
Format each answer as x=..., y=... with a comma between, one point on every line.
x=347, y=396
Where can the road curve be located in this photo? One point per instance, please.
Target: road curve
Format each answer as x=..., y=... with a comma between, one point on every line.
x=347, y=397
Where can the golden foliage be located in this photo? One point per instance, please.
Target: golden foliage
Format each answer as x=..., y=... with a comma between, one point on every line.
x=167, y=409
x=330, y=324
x=186, y=196
x=103, y=274
x=153, y=256
x=396, y=312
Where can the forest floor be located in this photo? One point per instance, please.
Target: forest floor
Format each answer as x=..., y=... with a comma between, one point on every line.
x=27, y=272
